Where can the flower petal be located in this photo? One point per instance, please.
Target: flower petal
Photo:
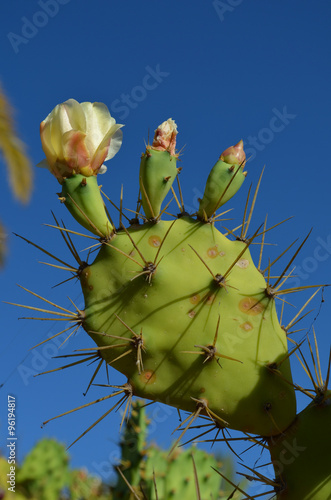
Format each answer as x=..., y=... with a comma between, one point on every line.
x=102, y=169
x=165, y=137
x=107, y=149
x=59, y=125
x=115, y=143
x=98, y=123
x=46, y=141
x=75, y=114
x=55, y=168
x=78, y=138
x=234, y=154
x=75, y=152
x=44, y=164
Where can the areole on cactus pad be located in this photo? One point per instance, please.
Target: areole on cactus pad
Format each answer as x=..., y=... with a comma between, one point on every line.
x=172, y=303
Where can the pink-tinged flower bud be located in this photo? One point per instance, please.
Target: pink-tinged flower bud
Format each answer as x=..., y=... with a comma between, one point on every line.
x=165, y=137
x=234, y=155
x=78, y=137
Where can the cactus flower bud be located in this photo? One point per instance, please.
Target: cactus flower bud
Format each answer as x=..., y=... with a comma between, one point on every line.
x=165, y=137
x=224, y=180
x=234, y=155
x=78, y=137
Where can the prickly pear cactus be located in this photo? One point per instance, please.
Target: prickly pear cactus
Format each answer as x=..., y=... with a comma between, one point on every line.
x=44, y=472
x=177, y=307
x=85, y=486
x=133, y=452
x=158, y=473
x=305, y=446
x=45, y=475
x=5, y=492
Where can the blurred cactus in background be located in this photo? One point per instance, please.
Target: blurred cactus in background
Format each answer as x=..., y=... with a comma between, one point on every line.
x=45, y=473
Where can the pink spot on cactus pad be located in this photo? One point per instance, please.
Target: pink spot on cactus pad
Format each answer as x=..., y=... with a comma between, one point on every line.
x=148, y=376
x=213, y=252
x=247, y=326
x=195, y=299
x=251, y=306
x=243, y=263
x=154, y=241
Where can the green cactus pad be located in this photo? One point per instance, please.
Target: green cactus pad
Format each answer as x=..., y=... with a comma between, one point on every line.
x=81, y=195
x=157, y=173
x=149, y=468
x=222, y=184
x=86, y=486
x=174, y=475
x=133, y=442
x=171, y=301
x=5, y=492
x=301, y=455
x=44, y=472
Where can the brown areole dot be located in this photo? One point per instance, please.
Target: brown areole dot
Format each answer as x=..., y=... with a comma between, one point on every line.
x=242, y=263
x=195, y=299
x=247, y=326
x=252, y=306
x=148, y=376
x=210, y=299
x=212, y=252
x=154, y=241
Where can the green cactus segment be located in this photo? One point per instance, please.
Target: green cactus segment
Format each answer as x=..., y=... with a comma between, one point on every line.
x=157, y=173
x=301, y=456
x=133, y=442
x=85, y=486
x=222, y=184
x=174, y=474
x=44, y=472
x=149, y=469
x=173, y=303
x=5, y=492
x=81, y=195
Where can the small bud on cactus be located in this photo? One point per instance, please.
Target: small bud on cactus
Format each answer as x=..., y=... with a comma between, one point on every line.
x=224, y=180
x=78, y=137
x=234, y=155
x=165, y=137
x=158, y=168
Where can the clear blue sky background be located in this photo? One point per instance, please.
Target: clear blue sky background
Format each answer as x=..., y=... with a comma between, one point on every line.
x=256, y=70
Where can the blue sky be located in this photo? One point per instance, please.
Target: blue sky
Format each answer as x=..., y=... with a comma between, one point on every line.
x=258, y=70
